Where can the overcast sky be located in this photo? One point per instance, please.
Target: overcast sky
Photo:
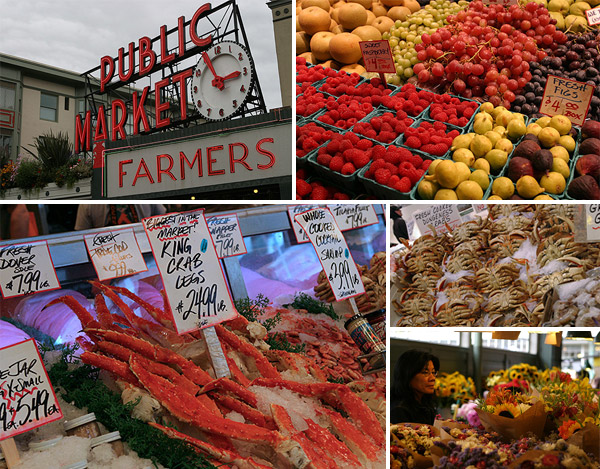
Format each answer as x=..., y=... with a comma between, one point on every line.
x=75, y=34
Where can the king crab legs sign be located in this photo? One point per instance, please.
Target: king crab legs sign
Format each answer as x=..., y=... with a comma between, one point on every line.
x=27, y=400
x=190, y=270
x=332, y=250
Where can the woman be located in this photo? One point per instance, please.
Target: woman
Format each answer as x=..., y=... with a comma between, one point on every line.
x=413, y=388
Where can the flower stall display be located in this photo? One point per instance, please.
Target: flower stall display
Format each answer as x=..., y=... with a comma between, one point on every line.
x=411, y=443
x=453, y=387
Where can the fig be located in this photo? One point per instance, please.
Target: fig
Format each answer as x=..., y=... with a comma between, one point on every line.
x=584, y=188
x=590, y=146
x=542, y=160
x=590, y=129
x=526, y=149
x=532, y=137
x=519, y=166
x=516, y=197
x=588, y=164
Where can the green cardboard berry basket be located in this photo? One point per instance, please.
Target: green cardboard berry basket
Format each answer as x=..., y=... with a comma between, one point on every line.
x=348, y=182
x=414, y=194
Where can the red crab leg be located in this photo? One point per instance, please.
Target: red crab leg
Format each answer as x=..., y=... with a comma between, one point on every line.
x=106, y=319
x=222, y=455
x=85, y=344
x=262, y=364
x=157, y=314
x=225, y=384
x=351, y=436
x=113, y=365
x=323, y=437
x=249, y=413
x=236, y=373
x=188, y=409
x=319, y=459
x=84, y=316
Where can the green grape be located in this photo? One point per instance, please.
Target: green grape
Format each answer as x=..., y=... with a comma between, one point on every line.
x=408, y=73
x=414, y=60
x=399, y=70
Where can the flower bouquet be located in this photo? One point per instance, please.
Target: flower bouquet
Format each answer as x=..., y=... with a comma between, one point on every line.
x=512, y=415
x=554, y=455
x=414, y=441
x=450, y=388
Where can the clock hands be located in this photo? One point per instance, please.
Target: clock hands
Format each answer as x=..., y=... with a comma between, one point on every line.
x=218, y=82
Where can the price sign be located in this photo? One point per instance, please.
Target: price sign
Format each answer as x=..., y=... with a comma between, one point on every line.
x=437, y=217
x=592, y=219
x=26, y=268
x=333, y=252
x=569, y=98
x=115, y=253
x=593, y=16
x=350, y=216
x=293, y=210
x=27, y=399
x=377, y=56
x=226, y=234
x=190, y=269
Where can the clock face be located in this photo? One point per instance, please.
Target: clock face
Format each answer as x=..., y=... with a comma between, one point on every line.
x=222, y=80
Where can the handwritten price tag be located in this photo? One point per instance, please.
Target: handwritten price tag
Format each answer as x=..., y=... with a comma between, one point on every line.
x=190, y=269
x=293, y=210
x=333, y=252
x=592, y=218
x=115, y=253
x=26, y=268
x=566, y=97
x=437, y=216
x=349, y=217
x=27, y=399
x=226, y=234
x=593, y=16
x=377, y=56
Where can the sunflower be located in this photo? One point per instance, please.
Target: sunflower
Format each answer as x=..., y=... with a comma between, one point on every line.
x=512, y=374
x=507, y=409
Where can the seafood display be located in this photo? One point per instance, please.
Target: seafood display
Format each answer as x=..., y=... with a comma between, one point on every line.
x=577, y=304
x=494, y=270
x=276, y=409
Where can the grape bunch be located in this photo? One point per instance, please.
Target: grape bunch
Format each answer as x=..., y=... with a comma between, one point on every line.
x=485, y=51
x=577, y=59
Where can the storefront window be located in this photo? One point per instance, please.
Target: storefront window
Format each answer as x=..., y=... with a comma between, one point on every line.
x=276, y=264
x=7, y=96
x=525, y=343
x=49, y=107
x=432, y=336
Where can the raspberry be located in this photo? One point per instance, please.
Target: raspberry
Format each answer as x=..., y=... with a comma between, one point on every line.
x=303, y=188
x=403, y=185
x=377, y=164
x=336, y=163
x=364, y=144
x=361, y=160
x=413, y=142
x=348, y=169
x=393, y=180
x=319, y=193
x=350, y=154
x=405, y=168
x=309, y=144
x=386, y=137
x=382, y=175
x=378, y=152
x=324, y=159
x=301, y=174
x=333, y=147
x=341, y=196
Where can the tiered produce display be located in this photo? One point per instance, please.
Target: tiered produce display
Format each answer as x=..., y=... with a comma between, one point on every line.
x=454, y=62
x=496, y=270
x=494, y=431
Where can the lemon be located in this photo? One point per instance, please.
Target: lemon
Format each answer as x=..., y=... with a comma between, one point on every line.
x=464, y=155
x=427, y=189
x=483, y=164
x=432, y=166
x=463, y=171
x=447, y=175
x=469, y=190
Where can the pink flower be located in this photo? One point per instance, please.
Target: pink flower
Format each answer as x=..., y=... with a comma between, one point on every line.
x=550, y=460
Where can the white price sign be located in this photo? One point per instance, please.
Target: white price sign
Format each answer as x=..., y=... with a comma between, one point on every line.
x=27, y=399
x=350, y=216
x=332, y=250
x=115, y=253
x=226, y=234
x=190, y=269
x=26, y=268
x=439, y=217
x=592, y=218
x=294, y=210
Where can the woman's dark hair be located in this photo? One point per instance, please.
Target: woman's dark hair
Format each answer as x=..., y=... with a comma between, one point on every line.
x=408, y=365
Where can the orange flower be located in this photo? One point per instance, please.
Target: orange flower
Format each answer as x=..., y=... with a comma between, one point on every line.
x=568, y=428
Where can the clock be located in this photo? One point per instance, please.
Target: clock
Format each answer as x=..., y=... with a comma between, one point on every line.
x=222, y=80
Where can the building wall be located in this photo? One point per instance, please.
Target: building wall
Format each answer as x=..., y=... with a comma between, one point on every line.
x=32, y=125
x=282, y=27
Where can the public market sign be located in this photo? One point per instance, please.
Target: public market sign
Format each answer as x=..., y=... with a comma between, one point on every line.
x=190, y=269
x=27, y=399
x=216, y=160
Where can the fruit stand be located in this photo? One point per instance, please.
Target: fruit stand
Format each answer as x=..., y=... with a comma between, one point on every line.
x=468, y=89
x=289, y=343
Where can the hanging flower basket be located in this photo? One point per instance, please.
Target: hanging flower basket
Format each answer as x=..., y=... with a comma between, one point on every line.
x=82, y=189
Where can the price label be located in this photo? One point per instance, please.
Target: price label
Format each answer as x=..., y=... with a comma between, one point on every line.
x=333, y=252
x=293, y=210
x=437, y=217
x=115, y=253
x=27, y=400
x=351, y=216
x=592, y=218
x=226, y=234
x=593, y=16
x=377, y=56
x=566, y=97
x=26, y=268
x=190, y=269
